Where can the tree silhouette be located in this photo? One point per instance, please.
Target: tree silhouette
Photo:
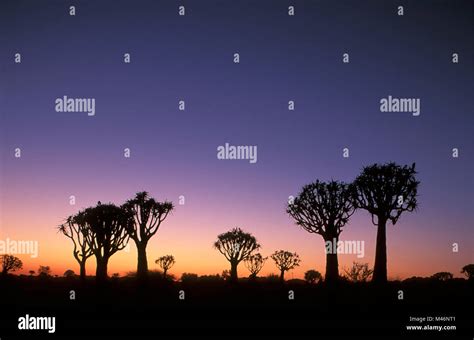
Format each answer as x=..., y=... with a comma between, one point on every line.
x=10, y=263
x=385, y=191
x=165, y=262
x=148, y=215
x=32, y=272
x=44, y=271
x=324, y=209
x=359, y=272
x=442, y=276
x=107, y=233
x=75, y=228
x=236, y=245
x=285, y=261
x=468, y=270
x=313, y=276
x=69, y=273
x=254, y=264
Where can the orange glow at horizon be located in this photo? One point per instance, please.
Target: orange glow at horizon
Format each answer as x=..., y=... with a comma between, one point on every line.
x=189, y=239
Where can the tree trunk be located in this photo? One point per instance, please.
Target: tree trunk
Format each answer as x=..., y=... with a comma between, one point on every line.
x=332, y=264
x=380, y=266
x=164, y=273
x=282, y=276
x=332, y=268
x=233, y=272
x=101, y=270
x=82, y=274
x=142, y=264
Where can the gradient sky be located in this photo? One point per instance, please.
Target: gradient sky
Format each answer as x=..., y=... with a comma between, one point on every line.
x=173, y=152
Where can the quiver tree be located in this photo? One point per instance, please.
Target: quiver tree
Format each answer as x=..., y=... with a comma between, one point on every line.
x=285, y=261
x=324, y=209
x=106, y=226
x=75, y=229
x=236, y=245
x=165, y=262
x=148, y=215
x=10, y=263
x=254, y=264
x=385, y=191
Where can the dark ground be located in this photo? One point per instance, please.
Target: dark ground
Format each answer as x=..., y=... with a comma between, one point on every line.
x=124, y=309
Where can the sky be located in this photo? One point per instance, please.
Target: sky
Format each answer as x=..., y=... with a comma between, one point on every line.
x=173, y=152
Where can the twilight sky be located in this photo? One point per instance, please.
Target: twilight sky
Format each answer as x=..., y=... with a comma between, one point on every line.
x=173, y=152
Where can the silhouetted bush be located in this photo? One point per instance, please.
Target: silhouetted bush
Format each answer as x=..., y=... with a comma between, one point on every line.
x=189, y=277
x=226, y=275
x=468, y=270
x=359, y=272
x=44, y=271
x=296, y=282
x=442, y=276
x=416, y=279
x=211, y=278
x=272, y=278
x=69, y=274
x=313, y=276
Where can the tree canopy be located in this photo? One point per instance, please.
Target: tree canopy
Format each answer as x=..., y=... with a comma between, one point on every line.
x=236, y=246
